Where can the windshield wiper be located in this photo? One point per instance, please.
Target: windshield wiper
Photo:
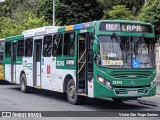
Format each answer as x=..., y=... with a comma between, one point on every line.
x=118, y=40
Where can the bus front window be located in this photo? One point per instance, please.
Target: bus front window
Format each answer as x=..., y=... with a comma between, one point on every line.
x=126, y=52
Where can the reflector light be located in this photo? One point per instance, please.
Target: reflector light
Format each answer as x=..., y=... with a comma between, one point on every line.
x=78, y=26
x=71, y=27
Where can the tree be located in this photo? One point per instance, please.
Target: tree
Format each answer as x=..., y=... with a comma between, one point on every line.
x=46, y=8
x=133, y=5
x=118, y=12
x=19, y=15
x=4, y=24
x=18, y=9
x=151, y=13
x=10, y=28
x=72, y=11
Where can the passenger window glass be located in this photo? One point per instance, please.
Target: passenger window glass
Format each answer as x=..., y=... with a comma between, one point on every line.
x=57, y=45
x=69, y=41
x=20, y=50
x=8, y=49
x=47, y=46
x=28, y=47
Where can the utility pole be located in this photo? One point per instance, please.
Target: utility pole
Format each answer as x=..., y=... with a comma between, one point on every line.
x=54, y=12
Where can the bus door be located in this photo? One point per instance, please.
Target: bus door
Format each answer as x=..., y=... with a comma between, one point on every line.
x=37, y=62
x=84, y=62
x=13, y=61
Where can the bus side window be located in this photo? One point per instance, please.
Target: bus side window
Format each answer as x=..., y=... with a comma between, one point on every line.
x=57, y=45
x=20, y=50
x=47, y=46
x=69, y=40
x=8, y=49
x=28, y=47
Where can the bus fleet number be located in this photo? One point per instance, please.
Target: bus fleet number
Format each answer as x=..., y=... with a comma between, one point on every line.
x=112, y=27
x=117, y=82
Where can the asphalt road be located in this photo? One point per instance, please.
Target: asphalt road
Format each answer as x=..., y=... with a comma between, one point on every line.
x=11, y=99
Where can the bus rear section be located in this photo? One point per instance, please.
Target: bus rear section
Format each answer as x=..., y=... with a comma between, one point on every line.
x=1, y=58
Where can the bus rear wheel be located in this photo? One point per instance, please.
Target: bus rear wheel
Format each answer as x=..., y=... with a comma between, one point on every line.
x=72, y=96
x=24, y=87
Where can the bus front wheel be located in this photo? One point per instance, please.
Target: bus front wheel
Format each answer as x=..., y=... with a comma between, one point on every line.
x=24, y=87
x=72, y=96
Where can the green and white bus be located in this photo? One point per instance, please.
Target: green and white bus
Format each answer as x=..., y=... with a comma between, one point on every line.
x=1, y=58
x=100, y=59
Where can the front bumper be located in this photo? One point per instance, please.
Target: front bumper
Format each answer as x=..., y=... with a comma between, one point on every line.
x=123, y=92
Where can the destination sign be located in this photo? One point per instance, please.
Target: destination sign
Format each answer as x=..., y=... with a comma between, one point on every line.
x=125, y=27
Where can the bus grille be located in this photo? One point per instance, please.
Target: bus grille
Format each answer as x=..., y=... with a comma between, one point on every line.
x=125, y=91
x=130, y=75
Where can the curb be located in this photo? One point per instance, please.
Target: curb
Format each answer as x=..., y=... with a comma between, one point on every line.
x=148, y=102
x=155, y=101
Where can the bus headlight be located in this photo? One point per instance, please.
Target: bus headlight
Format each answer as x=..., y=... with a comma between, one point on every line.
x=153, y=82
x=104, y=81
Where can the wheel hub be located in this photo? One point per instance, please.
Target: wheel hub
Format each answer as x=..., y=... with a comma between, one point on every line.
x=72, y=92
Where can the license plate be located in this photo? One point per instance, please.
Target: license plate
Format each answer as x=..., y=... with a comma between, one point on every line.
x=132, y=92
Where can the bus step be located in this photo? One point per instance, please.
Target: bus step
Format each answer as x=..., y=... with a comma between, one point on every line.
x=13, y=82
x=37, y=87
x=90, y=75
x=82, y=94
x=81, y=84
x=81, y=91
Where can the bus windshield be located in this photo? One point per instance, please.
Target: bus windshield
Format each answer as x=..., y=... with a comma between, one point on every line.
x=126, y=52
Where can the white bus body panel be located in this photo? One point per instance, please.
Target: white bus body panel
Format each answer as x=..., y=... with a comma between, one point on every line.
x=48, y=69
x=19, y=68
x=90, y=89
x=28, y=69
x=38, y=74
x=8, y=72
x=59, y=78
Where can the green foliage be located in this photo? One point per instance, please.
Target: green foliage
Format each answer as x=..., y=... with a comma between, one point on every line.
x=118, y=12
x=19, y=15
x=4, y=23
x=133, y=5
x=72, y=11
x=10, y=28
x=46, y=8
x=151, y=14
x=14, y=8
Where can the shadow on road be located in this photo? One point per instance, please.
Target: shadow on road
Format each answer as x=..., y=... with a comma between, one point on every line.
x=4, y=82
x=107, y=104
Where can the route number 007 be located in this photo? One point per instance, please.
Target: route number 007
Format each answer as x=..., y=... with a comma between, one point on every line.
x=117, y=82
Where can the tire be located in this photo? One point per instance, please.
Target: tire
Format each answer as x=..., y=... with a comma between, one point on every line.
x=72, y=96
x=24, y=87
x=117, y=100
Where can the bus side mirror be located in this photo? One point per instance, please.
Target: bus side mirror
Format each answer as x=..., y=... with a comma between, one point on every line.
x=97, y=59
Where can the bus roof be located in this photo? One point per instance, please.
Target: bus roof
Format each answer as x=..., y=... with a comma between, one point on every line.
x=40, y=31
x=15, y=37
x=54, y=29
x=126, y=21
x=1, y=40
